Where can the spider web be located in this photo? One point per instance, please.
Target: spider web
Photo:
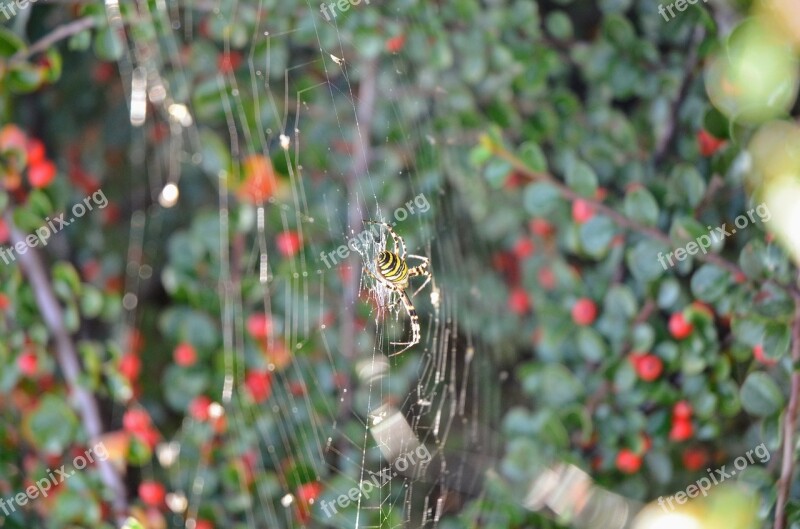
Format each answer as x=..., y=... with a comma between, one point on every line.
x=441, y=394
x=429, y=397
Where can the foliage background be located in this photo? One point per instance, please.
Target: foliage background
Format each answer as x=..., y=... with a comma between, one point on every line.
x=475, y=105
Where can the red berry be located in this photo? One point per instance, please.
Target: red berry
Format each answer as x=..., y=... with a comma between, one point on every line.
x=584, y=311
x=514, y=180
x=259, y=326
x=541, y=227
x=681, y=430
x=152, y=493
x=524, y=248
x=203, y=524
x=309, y=492
x=582, y=211
x=395, y=44
x=148, y=437
x=707, y=143
x=136, y=420
x=35, y=151
x=758, y=353
x=185, y=354
x=28, y=363
x=130, y=366
x=4, y=302
x=628, y=461
x=679, y=327
x=288, y=243
x=41, y=173
x=229, y=63
x=518, y=301
x=546, y=278
x=259, y=384
x=5, y=233
x=694, y=458
x=198, y=408
x=649, y=367
x=682, y=410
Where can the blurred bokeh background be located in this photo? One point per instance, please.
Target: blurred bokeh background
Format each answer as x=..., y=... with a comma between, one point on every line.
x=191, y=334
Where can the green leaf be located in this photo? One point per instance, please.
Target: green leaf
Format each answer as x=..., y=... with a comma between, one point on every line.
x=559, y=25
x=91, y=302
x=541, y=199
x=748, y=330
x=554, y=384
x=533, y=156
x=643, y=337
x=216, y=155
x=53, y=72
x=52, y=425
x=685, y=230
x=643, y=260
x=132, y=523
x=108, y=45
x=582, y=179
x=777, y=337
x=479, y=155
x=10, y=43
x=716, y=124
x=591, y=344
x=641, y=206
x=687, y=184
x=596, y=235
x=23, y=78
x=496, y=172
x=710, y=282
x=65, y=273
x=760, y=395
x=80, y=41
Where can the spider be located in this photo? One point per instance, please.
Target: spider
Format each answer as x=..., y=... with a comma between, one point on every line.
x=392, y=271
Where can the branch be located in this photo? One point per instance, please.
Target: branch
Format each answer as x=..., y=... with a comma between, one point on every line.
x=691, y=62
x=618, y=218
x=789, y=425
x=60, y=33
x=31, y=265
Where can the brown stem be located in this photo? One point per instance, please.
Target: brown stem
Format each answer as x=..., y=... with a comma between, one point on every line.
x=60, y=33
x=618, y=218
x=789, y=425
x=31, y=265
x=691, y=63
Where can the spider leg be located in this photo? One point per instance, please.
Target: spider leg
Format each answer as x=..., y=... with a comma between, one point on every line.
x=415, y=328
x=420, y=270
x=399, y=243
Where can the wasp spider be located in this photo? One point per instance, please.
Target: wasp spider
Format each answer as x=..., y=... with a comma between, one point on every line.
x=392, y=271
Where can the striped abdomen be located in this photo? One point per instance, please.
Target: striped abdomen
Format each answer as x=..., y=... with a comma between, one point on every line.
x=393, y=269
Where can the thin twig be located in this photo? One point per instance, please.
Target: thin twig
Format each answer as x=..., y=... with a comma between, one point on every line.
x=31, y=265
x=666, y=140
x=789, y=425
x=60, y=33
x=620, y=219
